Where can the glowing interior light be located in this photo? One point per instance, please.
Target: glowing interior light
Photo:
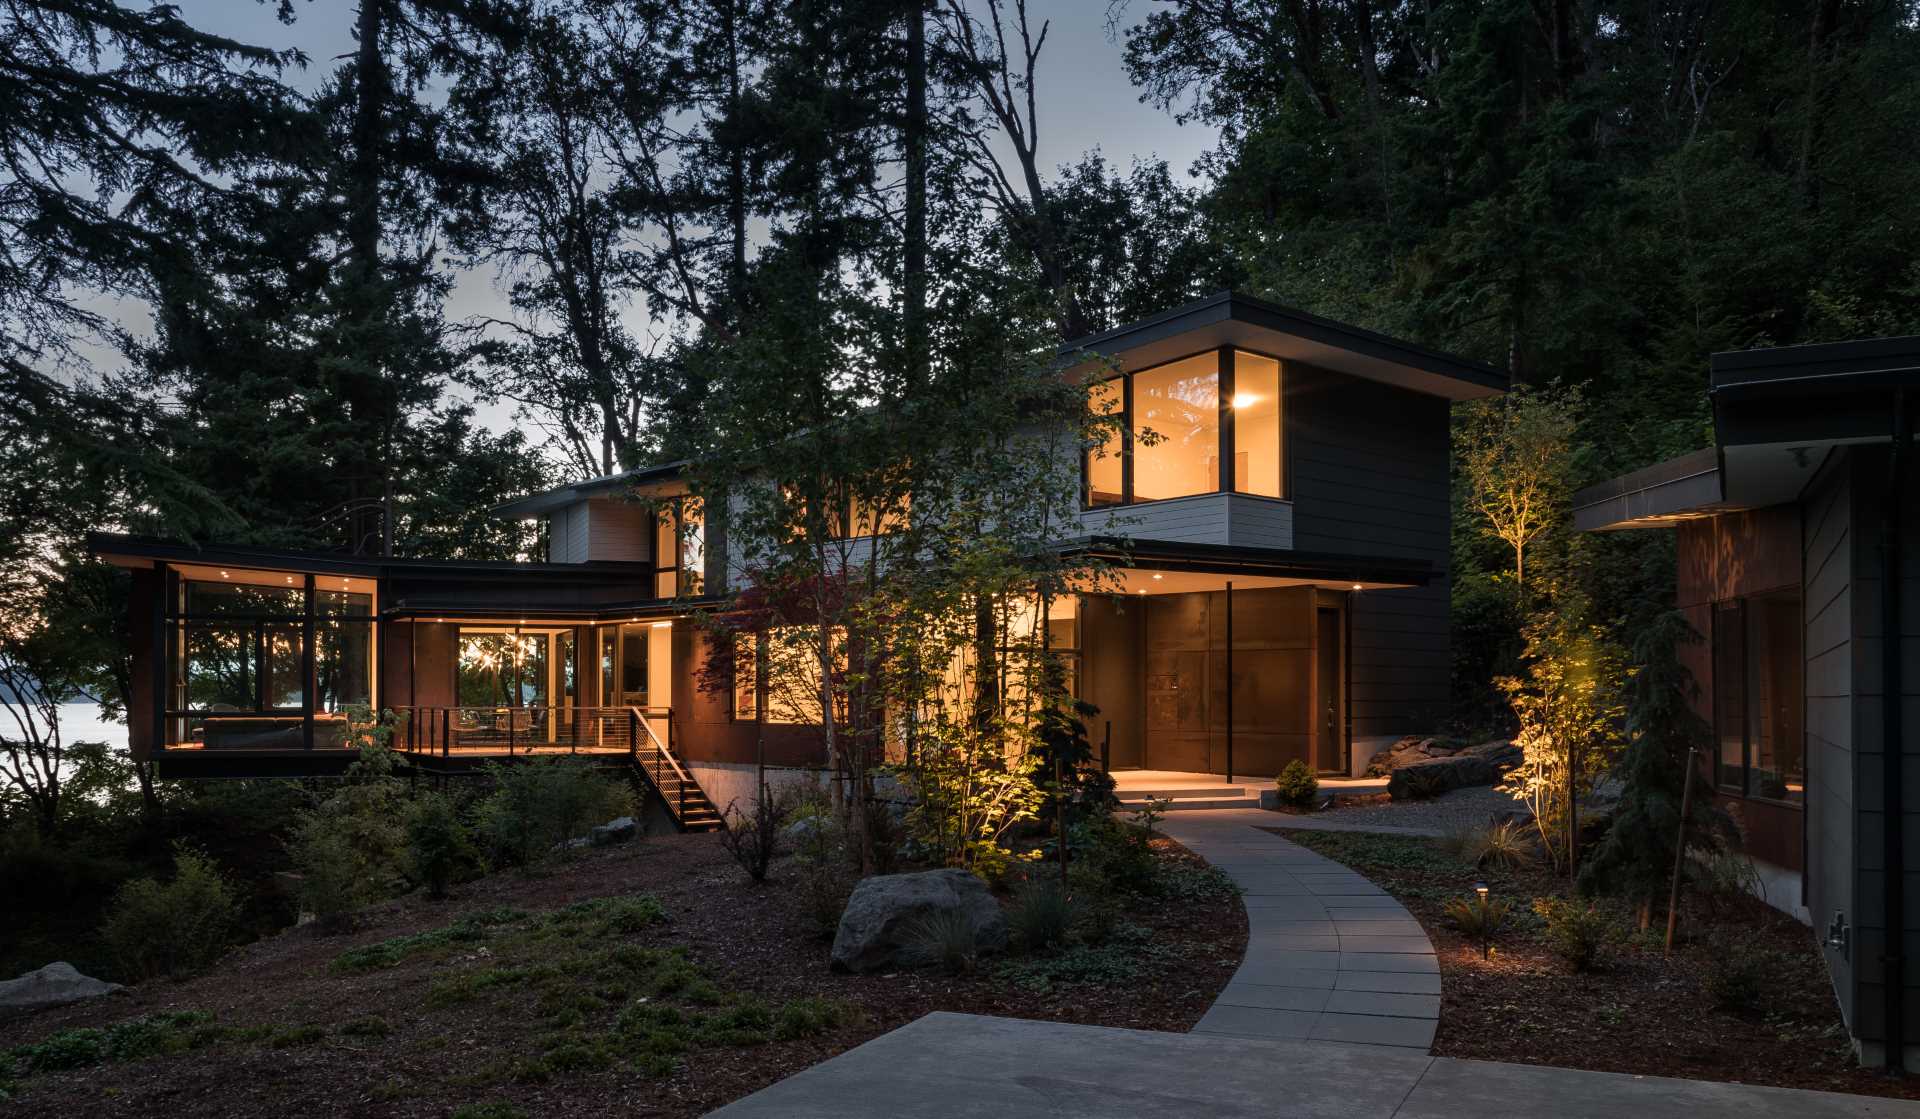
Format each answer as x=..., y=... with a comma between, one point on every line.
x=663, y=625
x=1245, y=399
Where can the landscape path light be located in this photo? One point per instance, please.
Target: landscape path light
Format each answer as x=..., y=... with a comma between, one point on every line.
x=1486, y=934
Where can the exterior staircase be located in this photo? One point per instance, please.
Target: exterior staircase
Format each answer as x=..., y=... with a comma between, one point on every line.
x=1191, y=797
x=686, y=801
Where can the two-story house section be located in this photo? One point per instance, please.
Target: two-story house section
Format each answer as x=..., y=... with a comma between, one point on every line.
x=1281, y=538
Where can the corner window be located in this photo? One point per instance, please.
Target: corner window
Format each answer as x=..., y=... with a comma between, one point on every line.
x=679, y=549
x=1209, y=423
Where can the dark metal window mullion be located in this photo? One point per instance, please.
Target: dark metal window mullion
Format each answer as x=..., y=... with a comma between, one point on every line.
x=1126, y=439
x=309, y=676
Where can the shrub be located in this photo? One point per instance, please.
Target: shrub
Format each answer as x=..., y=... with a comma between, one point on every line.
x=1740, y=977
x=1507, y=845
x=175, y=928
x=1478, y=917
x=1117, y=858
x=945, y=938
x=535, y=807
x=1041, y=916
x=1297, y=785
x=755, y=838
x=439, y=850
x=825, y=886
x=334, y=879
x=1576, y=933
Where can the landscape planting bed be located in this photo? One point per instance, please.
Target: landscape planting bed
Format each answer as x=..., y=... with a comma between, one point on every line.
x=1641, y=1012
x=589, y=1010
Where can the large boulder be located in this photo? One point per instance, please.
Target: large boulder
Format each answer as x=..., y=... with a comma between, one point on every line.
x=1412, y=750
x=1484, y=764
x=878, y=928
x=614, y=831
x=53, y=985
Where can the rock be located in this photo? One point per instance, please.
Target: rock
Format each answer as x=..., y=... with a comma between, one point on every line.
x=1430, y=777
x=805, y=830
x=614, y=831
x=877, y=927
x=1499, y=751
x=56, y=984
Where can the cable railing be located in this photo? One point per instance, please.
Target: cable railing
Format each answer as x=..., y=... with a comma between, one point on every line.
x=472, y=731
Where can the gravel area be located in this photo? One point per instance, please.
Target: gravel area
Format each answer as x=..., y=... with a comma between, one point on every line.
x=1456, y=809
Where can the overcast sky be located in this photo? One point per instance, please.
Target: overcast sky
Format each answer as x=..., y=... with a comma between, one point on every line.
x=1087, y=102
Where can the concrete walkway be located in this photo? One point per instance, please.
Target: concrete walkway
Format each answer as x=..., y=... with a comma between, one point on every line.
x=1330, y=956
x=965, y=1066
x=1330, y=1016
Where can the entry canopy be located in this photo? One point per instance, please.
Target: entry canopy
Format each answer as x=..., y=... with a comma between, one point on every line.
x=1777, y=414
x=1232, y=319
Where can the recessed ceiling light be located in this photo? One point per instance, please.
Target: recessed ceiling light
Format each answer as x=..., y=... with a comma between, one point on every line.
x=1356, y=586
x=1159, y=576
x=224, y=575
x=663, y=625
x=1142, y=590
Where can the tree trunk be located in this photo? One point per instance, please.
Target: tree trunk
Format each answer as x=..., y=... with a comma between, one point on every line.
x=363, y=270
x=914, y=254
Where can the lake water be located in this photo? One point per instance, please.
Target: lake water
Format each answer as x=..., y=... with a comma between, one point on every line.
x=81, y=722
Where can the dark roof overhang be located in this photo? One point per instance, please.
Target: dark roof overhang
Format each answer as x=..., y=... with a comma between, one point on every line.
x=1778, y=413
x=1226, y=559
x=534, y=504
x=1229, y=318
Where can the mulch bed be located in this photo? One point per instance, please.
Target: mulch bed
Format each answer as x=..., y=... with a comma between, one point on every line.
x=1641, y=1012
x=749, y=939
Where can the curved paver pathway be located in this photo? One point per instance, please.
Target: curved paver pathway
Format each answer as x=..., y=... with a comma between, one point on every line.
x=1330, y=956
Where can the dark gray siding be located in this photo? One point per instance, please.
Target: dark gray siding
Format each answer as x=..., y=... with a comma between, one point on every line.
x=1869, y=480
x=1368, y=475
x=1827, y=532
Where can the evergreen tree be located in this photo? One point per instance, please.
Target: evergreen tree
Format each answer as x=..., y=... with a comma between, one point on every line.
x=1636, y=857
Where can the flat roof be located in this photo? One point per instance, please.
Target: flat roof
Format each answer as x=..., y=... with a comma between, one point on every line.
x=1229, y=559
x=1231, y=318
x=1778, y=413
x=545, y=501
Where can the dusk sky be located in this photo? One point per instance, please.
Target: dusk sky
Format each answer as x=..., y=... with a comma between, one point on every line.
x=1088, y=102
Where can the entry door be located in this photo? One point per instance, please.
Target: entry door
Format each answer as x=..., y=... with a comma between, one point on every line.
x=1329, y=744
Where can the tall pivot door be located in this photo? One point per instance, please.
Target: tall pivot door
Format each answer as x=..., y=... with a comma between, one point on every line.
x=1186, y=684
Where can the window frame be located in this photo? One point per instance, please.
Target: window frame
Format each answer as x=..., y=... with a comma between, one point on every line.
x=1743, y=607
x=1223, y=484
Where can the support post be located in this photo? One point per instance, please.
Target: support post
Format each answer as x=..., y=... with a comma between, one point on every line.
x=1680, y=849
x=309, y=677
x=1229, y=681
x=1893, y=798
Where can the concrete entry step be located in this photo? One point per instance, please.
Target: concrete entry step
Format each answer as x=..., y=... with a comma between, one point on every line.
x=1190, y=804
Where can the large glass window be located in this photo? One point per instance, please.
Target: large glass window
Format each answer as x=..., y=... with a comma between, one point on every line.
x=1106, y=469
x=1257, y=461
x=679, y=549
x=1170, y=439
x=1176, y=429
x=252, y=655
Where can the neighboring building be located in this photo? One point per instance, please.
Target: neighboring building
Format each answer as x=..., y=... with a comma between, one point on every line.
x=1798, y=555
x=1300, y=503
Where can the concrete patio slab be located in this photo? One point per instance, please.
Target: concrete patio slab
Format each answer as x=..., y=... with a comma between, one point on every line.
x=963, y=1066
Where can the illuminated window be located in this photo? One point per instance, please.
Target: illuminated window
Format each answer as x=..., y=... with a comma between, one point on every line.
x=1176, y=429
x=1257, y=437
x=1106, y=470
x=679, y=549
x=1171, y=439
x=746, y=683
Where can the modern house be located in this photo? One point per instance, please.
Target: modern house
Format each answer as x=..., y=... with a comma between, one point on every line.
x=1282, y=550
x=1798, y=550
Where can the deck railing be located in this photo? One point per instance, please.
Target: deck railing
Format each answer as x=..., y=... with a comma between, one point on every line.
x=661, y=765
x=473, y=731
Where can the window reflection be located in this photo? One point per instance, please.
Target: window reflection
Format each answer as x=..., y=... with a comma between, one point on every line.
x=1176, y=429
x=1256, y=425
